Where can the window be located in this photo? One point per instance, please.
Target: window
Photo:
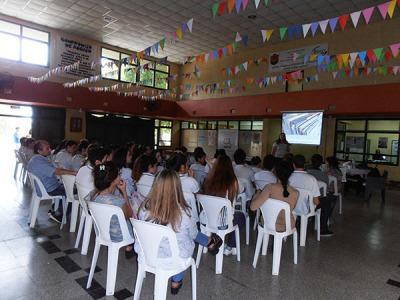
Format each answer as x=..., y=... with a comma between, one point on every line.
x=373, y=141
x=213, y=125
x=118, y=66
x=24, y=44
x=162, y=133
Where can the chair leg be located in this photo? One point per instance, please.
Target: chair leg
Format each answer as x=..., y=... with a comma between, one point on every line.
x=35, y=209
x=237, y=237
x=80, y=229
x=340, y=203
x=205, y=249
x=86, y=234
x=318, y=221
x=139, y=282
x=295, y=247
x=303, y=230
x=74, y=215
x=199, y=253
x=160, y=287
x=256, y=219
x=247, y=230
x=276, y=259
x=194, y=282
x=64, y=218
x=94, y=263
x=265, y=244
x=112, y=264
x=258, y=247
x=219, y=258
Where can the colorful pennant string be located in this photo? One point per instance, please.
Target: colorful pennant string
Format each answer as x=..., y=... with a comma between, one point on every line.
x=55, y=71
x=385, y=9
x=222, y=7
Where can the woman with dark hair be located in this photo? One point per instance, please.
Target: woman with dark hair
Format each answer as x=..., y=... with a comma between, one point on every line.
x=144, y=169
x=222, y=182
x=107, y=180
x=280, y=147
x=79, y=158
x=279, y=191
x=179, y=163
x=122, y=158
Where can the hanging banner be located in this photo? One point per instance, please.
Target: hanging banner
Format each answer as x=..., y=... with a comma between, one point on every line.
x=296, y=59
x=70, y=50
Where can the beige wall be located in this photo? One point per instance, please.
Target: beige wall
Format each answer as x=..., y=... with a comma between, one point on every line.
x=377, y=34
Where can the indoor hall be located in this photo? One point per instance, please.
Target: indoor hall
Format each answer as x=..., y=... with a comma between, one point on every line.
x=199, y=149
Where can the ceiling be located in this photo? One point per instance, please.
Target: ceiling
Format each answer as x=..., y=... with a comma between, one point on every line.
x=138, y=24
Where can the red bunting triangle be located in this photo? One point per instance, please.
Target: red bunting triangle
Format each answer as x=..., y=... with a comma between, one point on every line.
x=371, y=56
x=220, y=52
x=388, y=55
x=343, y=21
x=221, y=8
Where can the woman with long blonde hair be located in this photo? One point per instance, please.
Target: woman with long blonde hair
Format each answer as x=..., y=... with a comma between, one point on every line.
x=165, y=205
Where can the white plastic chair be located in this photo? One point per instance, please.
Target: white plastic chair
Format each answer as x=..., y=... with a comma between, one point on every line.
x=190, y=199
x=241, y=202
x=213, y=206
x=102, y=214
x=333, y=180
x=39, y=194
x=18, y=161
x=149, y=236
x=69, y=182
x=323, y=186
x=85, y=223
x=260, y=184
x=305, y=195
x=270, y=211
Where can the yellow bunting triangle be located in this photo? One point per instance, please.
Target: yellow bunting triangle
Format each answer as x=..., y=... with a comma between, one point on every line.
x=391, y=8
x=345, y=58
x=269, y=34
x=179, y=33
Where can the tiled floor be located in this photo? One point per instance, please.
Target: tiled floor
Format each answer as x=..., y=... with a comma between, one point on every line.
x=360, y=262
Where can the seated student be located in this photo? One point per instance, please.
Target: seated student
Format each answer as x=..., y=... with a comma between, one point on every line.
x=41, y=167
x=242, y=170
x=122, y=158
x=332, y=169
x=315, y=169
x=84, y=177
x=255, y=164
x=280, y=190
x=30, y=143
x=266, y=174
x=107, y=180
x=79, y=158
x=63, y=159
x=179, y=163
x=144, y=169
x=222, y=182
x=301, y=179
x=166, y=205
x=161, y=163
x=200, y=167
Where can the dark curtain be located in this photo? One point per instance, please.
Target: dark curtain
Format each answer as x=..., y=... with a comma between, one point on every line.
x=48, y=124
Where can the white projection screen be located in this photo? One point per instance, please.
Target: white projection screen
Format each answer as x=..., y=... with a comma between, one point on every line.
x=303, y=127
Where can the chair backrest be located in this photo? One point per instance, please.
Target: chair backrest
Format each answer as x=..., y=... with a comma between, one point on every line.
x=38, y=187
x=374, y=183
x=248, y=187
x=102, y=214
x=305, y=202
x=270, y=211
x=322, y=186
x=344, y=173
x=191, y=201
x=143, y=190
x=333, y=180
x=149, y=237
x=69, y=182
x=82, y=193
x=219, y=211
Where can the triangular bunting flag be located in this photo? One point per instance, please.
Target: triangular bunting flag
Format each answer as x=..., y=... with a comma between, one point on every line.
x=215, y=9
x=306, y=28
x=162, y=43
x=245, y=2
x=221, y=8
x=334, y=74
x=323, y=24
x=256, y=3
x=383, y=9
x=179, y=33
x=371, y=56
x=395, y=49
x=355, y=16
x=282, y=32
x=333, y=23
x=206, y=56
x=264, y=35
x=343, y=21
x=238, y=4
x=395, y=70
x=245, y=40
x=267, y=1
x=245, y=65
x=269, y=34
x=362, y=56
x=190, y=25
x=314, y=27
x=378, y=53
x=367, y=13
x=392, y=5
x=345, y=59
x=238, y=38
x=231, y=5
x=353, y=57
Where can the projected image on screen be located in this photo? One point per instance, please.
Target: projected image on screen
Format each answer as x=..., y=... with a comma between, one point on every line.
x=302, y=127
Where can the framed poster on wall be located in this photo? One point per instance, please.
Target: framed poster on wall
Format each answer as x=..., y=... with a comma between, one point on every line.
x=228, y=140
